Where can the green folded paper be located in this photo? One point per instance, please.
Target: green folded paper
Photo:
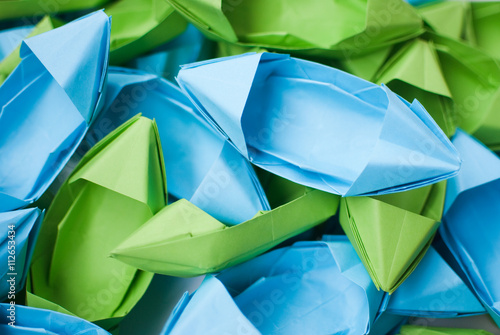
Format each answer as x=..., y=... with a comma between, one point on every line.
x=182, y=240
x=392, y=232
x=414, y=72
x=458, y=84
x=453, y=19
x=139, y=26
x=117, y=186
x=12, y=9
x=420, y=330
x=485, y=18
x=12, y=60
x=341, y=29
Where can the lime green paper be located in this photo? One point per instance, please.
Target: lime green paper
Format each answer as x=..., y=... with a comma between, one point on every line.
x=11, y=9
x=118, y=185
x=485, y=17
x=414, y=72
x=9, y=63
x=320, y=27
x=420, y=330
x=182, y=240
x=139, y=26
x=458, y=84
x=473, y=78
x=450, y=18
x=391, y=233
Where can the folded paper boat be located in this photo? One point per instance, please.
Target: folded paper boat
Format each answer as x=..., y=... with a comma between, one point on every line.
x=471, y=228
x=319, y=126
x=47, y=104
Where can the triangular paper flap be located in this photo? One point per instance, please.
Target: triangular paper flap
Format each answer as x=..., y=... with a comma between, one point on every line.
x=416, y=64
x=455, y=12
x=220, y=88
x=208, y=15
x=347, y=259
x=9, y=203
x=410, y=150
x=390, y=239
x=400, y=27
x=427, y=201
x=434, y=279
x=123, y=77
x=140, y=178
x=77, y=58
x=174, y=222
x=9, y=63
x=238, y=278
x=480, y=166
x=351, y=267
x=211, y=310
x=228, y=191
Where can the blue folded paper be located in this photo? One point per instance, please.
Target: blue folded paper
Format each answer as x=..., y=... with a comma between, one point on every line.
x=471, y=222
x=29, y=320
x=308, y=288
x=200, y=165
x=18, y=230
x=319, y=126
x=210, y=310
x=47, y=103
x=434, y=290
x=11, y=38
x=165, y=60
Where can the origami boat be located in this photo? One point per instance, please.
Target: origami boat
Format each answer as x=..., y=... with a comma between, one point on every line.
x=471, y=219
x=319, y=126
x=115, y=189
x=47, y=104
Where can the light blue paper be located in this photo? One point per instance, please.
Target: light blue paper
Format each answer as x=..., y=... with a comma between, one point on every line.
x=26, y=224
x=11, y=38
x=47, y=103
x=308, y=288
x=200, y=164
x=319, y=126
x=471, y=222
x=434, y=290
x=29, y=320
x=166, y=59
x=211, y=311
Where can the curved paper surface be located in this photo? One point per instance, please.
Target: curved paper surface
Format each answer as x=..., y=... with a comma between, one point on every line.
x=470, y=225
x=47, y=104
x=114, y=190
x=268, y=105
x=391, y=233
x=182, y=240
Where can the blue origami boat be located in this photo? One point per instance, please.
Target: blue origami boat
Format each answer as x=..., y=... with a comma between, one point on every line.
x=47, y=103
x=471, y=222
x=319, y=126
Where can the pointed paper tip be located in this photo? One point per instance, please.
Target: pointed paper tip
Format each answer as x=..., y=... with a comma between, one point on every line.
x=77, y=58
